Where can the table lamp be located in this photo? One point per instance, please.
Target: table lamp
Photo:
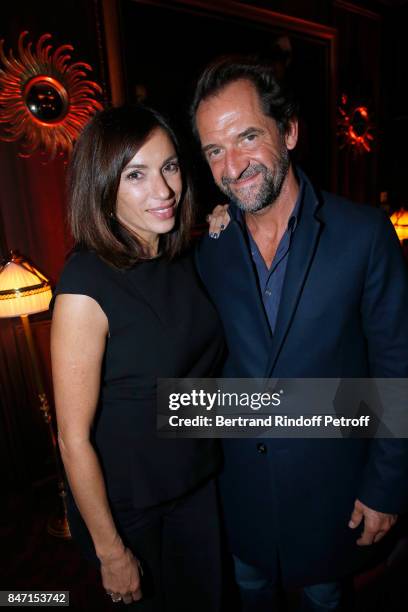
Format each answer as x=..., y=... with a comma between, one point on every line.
x=400, y=222
x=25, y=291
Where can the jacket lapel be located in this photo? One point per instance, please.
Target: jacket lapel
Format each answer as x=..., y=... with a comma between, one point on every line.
x=245, y=275
x=228, y=272
x=303, y=248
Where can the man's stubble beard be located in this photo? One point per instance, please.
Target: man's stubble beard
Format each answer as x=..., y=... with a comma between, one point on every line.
x=270, y=188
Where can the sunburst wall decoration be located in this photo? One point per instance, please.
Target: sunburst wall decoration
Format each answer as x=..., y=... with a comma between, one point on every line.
x=45, y=99
x=355, y=126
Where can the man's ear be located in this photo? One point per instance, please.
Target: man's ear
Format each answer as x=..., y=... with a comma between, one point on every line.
x=291, y=135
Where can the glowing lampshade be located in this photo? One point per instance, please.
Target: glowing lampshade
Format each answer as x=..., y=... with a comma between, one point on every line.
x=400, y=222
x=23, y=289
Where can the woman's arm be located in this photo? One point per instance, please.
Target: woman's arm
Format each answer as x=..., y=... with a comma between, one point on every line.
x=78, y=337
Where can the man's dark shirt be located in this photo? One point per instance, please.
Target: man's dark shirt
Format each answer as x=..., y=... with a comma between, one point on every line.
x=270, y=280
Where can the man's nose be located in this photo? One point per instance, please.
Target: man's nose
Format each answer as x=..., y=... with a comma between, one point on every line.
x=234, y=164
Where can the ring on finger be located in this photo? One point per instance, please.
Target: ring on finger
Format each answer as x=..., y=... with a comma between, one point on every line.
x=116, y=597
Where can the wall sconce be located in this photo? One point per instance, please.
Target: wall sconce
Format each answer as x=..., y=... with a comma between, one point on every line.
x=355, y=126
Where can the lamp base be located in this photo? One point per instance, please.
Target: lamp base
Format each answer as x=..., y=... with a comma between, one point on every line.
x=57, y=524
x=58, y=527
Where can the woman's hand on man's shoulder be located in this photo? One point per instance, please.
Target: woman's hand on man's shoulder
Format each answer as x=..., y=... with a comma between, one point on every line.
x=218, y=220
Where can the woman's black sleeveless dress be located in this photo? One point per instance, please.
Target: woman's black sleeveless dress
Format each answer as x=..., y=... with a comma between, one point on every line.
x=161, y=325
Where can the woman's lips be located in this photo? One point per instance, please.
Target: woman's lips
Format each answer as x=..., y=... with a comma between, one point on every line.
x=164, y=212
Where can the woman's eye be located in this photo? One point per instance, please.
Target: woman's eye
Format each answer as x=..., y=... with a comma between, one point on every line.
x=171, y=168
x=135, y=175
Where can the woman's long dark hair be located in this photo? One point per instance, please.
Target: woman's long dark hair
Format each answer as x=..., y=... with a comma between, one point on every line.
x=107, y=144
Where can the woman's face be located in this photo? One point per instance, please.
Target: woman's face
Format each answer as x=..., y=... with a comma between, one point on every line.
x=150, y=189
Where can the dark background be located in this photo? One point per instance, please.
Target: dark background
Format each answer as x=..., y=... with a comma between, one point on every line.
x=172, y=48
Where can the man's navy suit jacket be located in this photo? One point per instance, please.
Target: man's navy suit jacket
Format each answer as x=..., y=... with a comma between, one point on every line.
x=343, y=314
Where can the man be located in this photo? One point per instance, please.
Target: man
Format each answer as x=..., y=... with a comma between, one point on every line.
x=307, y=285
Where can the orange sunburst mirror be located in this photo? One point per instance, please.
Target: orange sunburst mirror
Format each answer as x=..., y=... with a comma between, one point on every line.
x=355, y=126
x=45, y=99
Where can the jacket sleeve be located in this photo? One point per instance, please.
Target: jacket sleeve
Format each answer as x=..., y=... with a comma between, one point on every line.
x=384, y=311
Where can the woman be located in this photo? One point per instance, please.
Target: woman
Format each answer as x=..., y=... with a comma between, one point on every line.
x=129, y=309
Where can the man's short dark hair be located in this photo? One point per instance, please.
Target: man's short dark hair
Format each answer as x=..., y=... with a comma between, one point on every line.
x=277, y=101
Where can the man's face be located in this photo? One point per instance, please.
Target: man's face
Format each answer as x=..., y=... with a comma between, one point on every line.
x=247, y=154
